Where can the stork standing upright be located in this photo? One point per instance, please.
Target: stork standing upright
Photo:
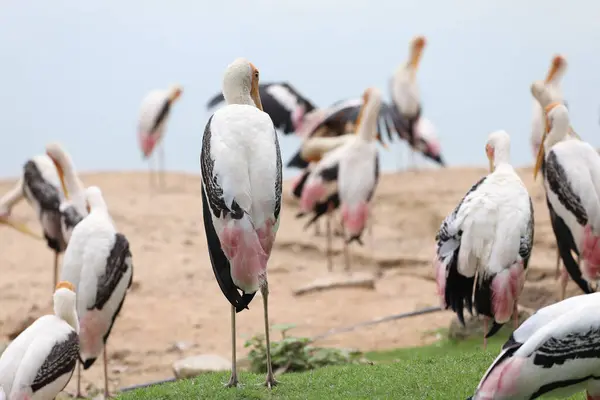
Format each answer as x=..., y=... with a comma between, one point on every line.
x=571, y=169
x=484, y=245
x=553, y=79
x=154, y=113
x=241, y=195
x=405, y=92
x=98, y=262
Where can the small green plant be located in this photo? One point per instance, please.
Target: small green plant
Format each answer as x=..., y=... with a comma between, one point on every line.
x=292, y=354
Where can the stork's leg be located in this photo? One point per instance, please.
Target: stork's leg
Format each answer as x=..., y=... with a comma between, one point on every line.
x=557, y=272
x=151, y=170
x=233, y=381
x=270, y=382
x=346, y=253
x=161, y=165
x=485, y=331
x=78, y=394
x=317, y=228
x=106, y=392
x=329, y=256
x=56, y=255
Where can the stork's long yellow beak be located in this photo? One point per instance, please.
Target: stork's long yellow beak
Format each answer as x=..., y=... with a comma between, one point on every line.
x=380, y=139
x=557, y=63
x=19, y=227
x=61, y=176
x=540, y=156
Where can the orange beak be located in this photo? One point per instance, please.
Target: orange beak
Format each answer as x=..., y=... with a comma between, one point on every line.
x=19, y=227
x=541, y=152
x=254, y=92
x=61, y=176
x=557, y=63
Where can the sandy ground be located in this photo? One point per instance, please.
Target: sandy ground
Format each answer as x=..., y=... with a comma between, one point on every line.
x=176, y=298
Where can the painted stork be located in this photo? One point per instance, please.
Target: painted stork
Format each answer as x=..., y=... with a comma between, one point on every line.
x=571, y=169
x=555, y=352
x=241, y=195
x=98, y=262
x=154, y=114
x=484, y=245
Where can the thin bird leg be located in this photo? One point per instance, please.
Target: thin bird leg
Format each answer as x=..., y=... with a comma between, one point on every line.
x=370, y=224
x=233, y=381
x=317, y=228
x=151, y=170
x=557, y=273
x=485, y=329
x=346, y=252
x=106, y=393
x=329, y=257
x=78, y=394
x=264, y=289
x=161, y=165
x=56, y=255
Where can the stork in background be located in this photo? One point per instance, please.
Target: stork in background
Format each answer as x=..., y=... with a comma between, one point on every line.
x=154, y=114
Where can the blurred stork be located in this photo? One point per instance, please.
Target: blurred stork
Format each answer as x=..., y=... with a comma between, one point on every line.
x=346, y=177
x=154, y=113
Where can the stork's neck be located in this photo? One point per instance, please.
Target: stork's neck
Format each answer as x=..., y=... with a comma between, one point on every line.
x=238, y=95
x=367, y=129
x=65, y=310
x=13, y=197
x=560, y=130
x=501, y=155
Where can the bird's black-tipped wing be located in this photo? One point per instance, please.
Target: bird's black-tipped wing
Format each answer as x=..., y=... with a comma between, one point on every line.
x=213, y=204
x=554, y=174
x=60, y=361
x=163, y=113
x=280, y=100
x=118, y=262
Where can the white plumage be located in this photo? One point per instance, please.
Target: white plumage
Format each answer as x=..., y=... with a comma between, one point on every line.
x=555, y=352
x=572, y=183
x=98, y=262
x=485, y=243
x=39, y=363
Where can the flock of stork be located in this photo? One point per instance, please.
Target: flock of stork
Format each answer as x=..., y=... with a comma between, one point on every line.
x=483, y=245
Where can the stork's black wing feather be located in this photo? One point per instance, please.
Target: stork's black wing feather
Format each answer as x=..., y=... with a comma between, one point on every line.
x=213, y=204
x=60, y=361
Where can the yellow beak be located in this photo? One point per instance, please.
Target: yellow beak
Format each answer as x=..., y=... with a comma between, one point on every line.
x=19, y=227
x=380, y=139
x=61, y=176
x=540, y=156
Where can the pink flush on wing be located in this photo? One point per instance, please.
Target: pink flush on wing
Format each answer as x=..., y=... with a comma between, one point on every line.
x=591, y=255
x=147, y=142
x=312, y=193
x=355, y=218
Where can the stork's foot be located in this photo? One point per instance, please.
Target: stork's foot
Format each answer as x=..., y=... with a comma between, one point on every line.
x=233, y=382
x=270, y=382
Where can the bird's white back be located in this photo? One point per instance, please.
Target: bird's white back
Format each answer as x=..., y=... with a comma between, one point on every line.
x=150, y=108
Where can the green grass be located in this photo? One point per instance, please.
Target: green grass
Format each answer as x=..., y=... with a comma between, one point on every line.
x=445, y=370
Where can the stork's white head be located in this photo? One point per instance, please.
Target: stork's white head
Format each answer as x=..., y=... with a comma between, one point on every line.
x=94, y=199
x=175, y=92
x=497, y=148
x=557, y=69
x=62, y=161
x=240, y=83
x=65, y=305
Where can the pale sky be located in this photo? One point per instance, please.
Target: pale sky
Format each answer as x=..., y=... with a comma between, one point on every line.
x=76, y=71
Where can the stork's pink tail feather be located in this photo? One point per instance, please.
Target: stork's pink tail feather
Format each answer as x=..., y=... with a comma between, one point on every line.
x=502, y=380
x=355, y=218
x=312, y=193
x=147, y=142
x=247, y=251
x=590, y=267
x=506, y=288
